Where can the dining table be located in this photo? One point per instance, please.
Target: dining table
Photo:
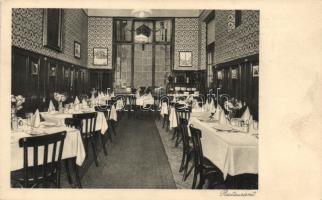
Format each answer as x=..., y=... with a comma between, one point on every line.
x=73, y=145
x=59, y=118
x=232, y=150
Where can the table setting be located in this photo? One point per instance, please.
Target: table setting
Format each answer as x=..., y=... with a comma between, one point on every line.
x=234, y=139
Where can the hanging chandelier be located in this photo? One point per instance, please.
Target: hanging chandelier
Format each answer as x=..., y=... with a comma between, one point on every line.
x=142, y=34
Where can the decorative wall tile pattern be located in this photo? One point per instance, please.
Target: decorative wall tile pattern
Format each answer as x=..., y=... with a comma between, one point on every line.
x=100, y=34
x=186, y=34
x=202, y=45
x=238, y=43
x=27, y=28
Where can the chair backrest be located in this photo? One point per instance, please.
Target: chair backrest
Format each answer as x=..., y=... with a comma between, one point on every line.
x=49, y=164
x=106, y=109
x=73, y=123
x=184, y=131
x=88, y=122
x=182, y=113
x=196, y=142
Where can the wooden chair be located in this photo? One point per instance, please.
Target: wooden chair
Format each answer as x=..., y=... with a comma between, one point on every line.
x=106, y=109
x=187, y=151
x=203, y=167
x=88, y=132
x=166, y=122
x=184, y=113
x=77, y=124
x=47, y=170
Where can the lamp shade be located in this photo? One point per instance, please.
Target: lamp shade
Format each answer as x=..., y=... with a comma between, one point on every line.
x=142, y=34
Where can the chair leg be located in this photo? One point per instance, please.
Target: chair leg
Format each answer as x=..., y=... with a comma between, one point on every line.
x=109, y=134
x=186, y=171
x=113, y=127
x=164, y=118
x=94, y=153
x=177, y=139
x=77, y=177
x=70, y=181
x=201, y=181
x=183, y=160
x=103, y=144
x=196, y=171
x=174, y=133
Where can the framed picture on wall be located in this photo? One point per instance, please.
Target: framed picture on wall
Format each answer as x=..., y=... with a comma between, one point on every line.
x=234, y=74
x=100, y=56
x=34, y=68
x=77, y=50
x=52, y=71
x=185, y=58
x=255, y=71
x=219, y=75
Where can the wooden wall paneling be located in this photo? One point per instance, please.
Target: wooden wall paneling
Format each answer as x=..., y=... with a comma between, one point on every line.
x=19, y=73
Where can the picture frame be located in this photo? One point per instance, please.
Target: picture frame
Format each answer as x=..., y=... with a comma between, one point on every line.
x=34, y=68
x=219, y=75
x=100, y=56
x=77, y=50
x=185, y=58
x=234, y=74
x=255, y=70
x=52, y=71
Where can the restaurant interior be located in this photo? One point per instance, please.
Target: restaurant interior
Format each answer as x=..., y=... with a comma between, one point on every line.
x=143, y=99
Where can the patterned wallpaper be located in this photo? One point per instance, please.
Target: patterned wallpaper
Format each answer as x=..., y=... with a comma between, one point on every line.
x=186, y=39
x=27, y=31
x=202, y=45
x=239, y=42
x=100, y=31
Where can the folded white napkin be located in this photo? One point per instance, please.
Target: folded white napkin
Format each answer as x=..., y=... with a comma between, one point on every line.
x=212, y=106
x=112, y=95
x=222, y=118
x=76, y=100
x=246, y=115
x=84, y=103
x=51, y=106
x=127, y=101
x=36, y=119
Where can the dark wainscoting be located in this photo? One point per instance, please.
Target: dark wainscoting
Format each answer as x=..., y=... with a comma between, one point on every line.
x=37, y=77
x=245, y=87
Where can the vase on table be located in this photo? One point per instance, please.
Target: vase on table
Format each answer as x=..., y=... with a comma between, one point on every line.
x=60, y=107
x=14, y=119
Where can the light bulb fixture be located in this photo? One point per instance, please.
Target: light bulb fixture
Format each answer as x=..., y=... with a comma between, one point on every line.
x=141, y=13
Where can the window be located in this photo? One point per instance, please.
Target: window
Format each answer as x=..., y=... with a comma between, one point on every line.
x=163, y=31
x=238, y=18
x=210, y=58
x=123, y=30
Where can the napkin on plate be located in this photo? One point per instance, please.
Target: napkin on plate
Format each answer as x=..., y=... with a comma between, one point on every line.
x=51, y=106
x=246, y=115
x=36, y=119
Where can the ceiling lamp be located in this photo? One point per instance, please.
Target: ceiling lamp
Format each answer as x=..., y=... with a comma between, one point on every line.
x=141, y=13
x=142, y=35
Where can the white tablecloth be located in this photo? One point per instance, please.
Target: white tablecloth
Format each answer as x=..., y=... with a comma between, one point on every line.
x=73, y=146
x=59, y=118
x=232, y=152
